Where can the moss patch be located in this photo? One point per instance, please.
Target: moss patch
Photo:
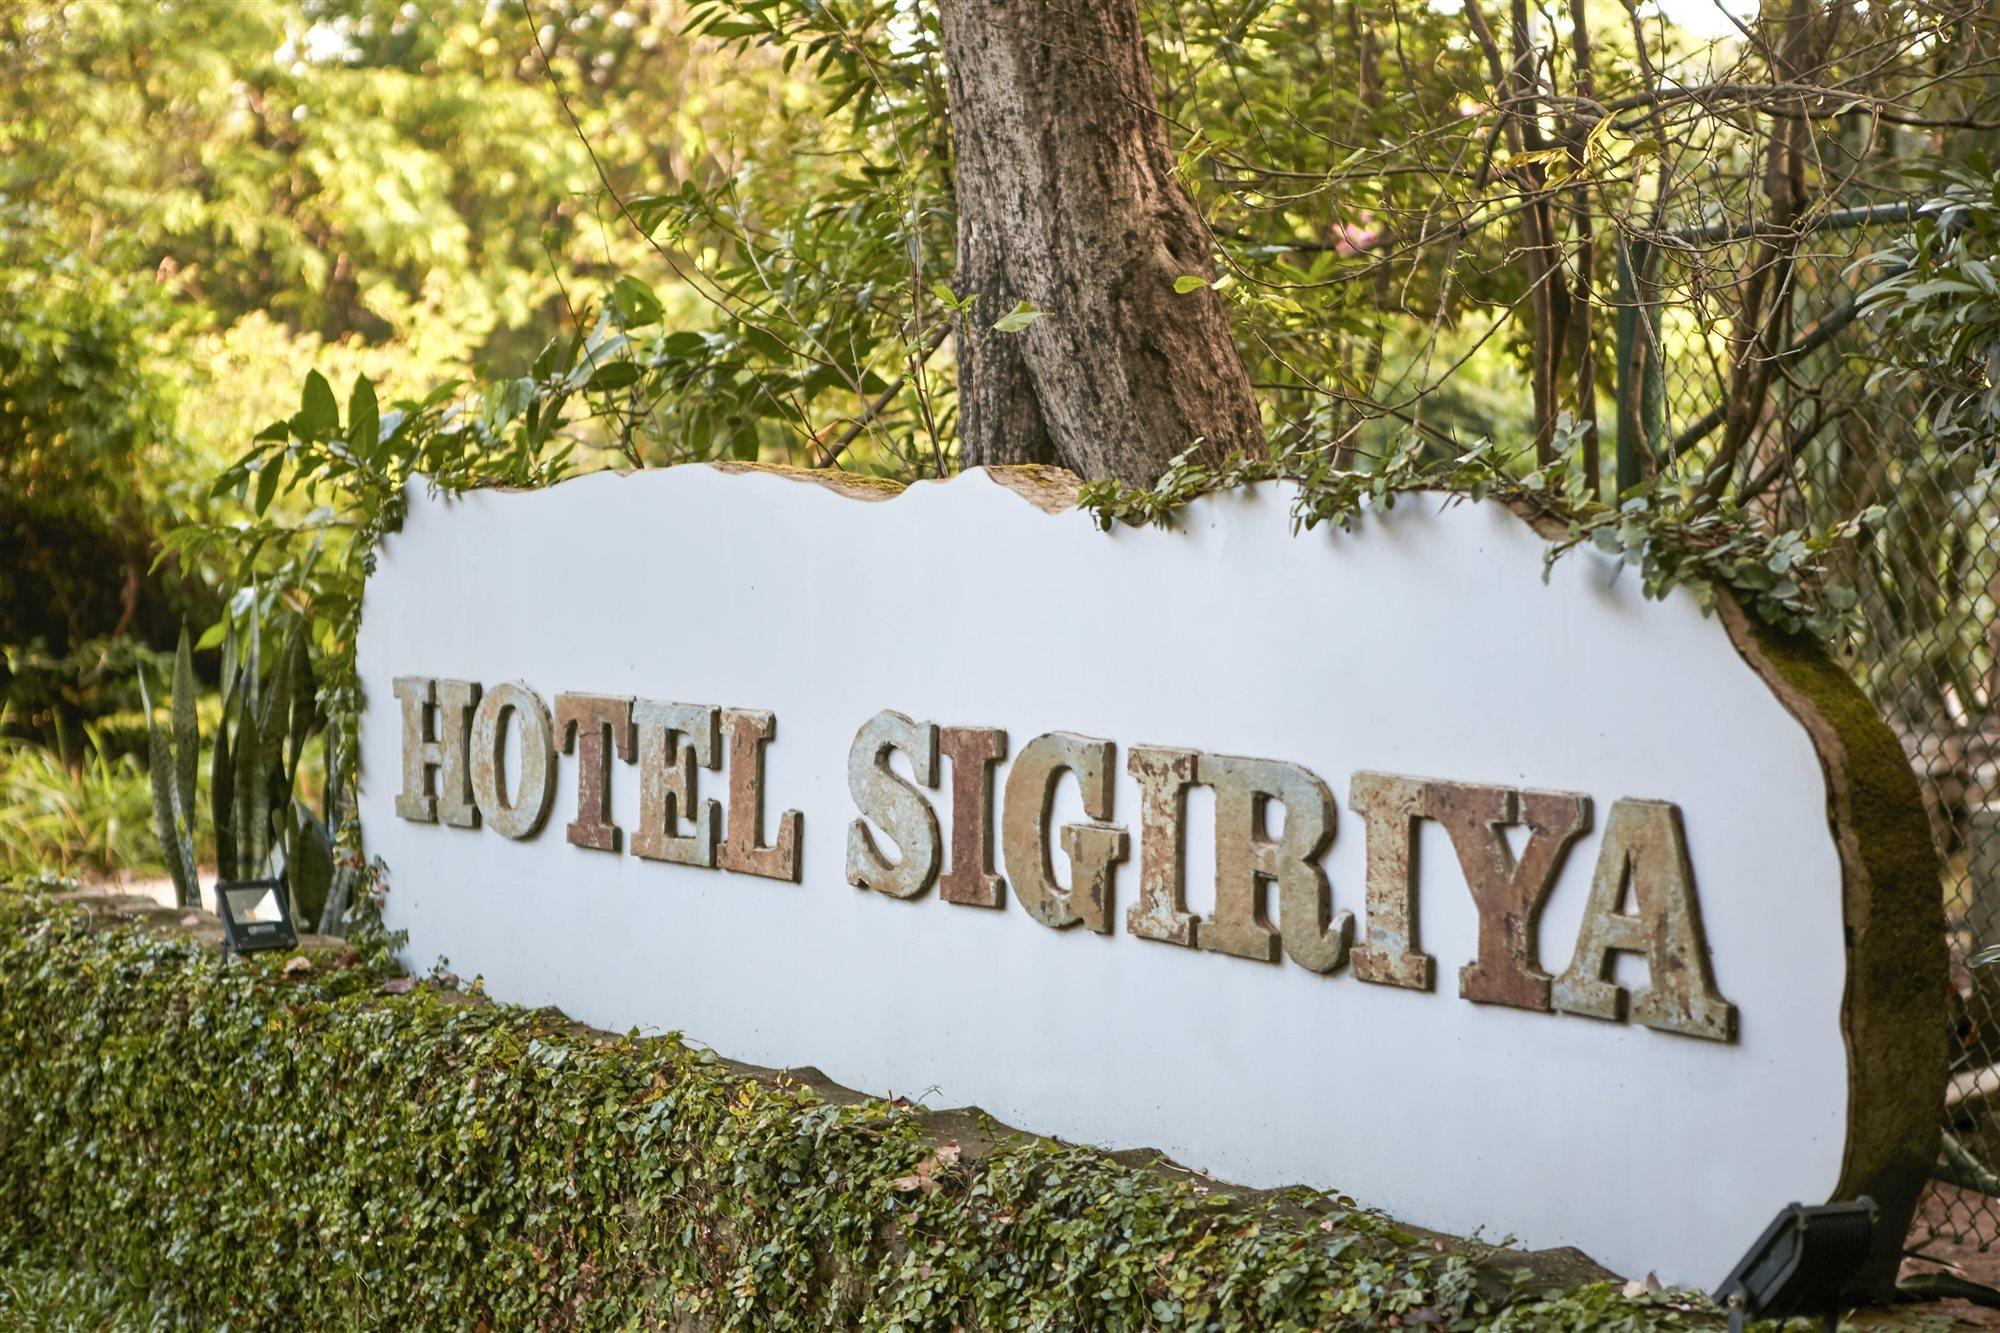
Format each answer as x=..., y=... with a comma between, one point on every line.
x=1894, y=1010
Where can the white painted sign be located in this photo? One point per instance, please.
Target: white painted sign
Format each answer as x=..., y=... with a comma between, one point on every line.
x=1361, y=860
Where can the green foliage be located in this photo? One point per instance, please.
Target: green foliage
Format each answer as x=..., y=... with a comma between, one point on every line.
x=42, y=1293
x=1939, y=299
x=1673, y=539
x=91, y=817
x=82, y=410
x=350, y=474
x=250, y=1146
x=261, y=827
x=171, y=759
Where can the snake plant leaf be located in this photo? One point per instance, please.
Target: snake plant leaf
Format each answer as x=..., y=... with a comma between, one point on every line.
x=336, y=778
x=261, y=737
x=221, y=791
x=332, y=918
x=174, y=849
x=230, y=651
x=303, y=691
x=275, y=721
x=310, y=866
x=187, y=737
x=250, y=788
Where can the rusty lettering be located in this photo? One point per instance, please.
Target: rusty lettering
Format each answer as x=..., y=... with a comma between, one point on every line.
x=1390, y=954
x=970, y=879
x=437, y=717
x=895, y=804
x=673, y=740
x=521, y=816
x=593, y=725
x=1645, y=851
x=1094, y=849
x=743, y=849
x=1164, y=775
x=1508, y=893
x=1247, y=858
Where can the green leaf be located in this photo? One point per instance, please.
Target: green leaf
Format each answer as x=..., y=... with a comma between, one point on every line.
x=614, y=375
x=222, y=792
x=187, y=739
x=168, y=821
x=304, y=690
x=635, y=302
x=950, y=299
x=267, y=482
x=308, y=865
x=364, y=418
x=1189, y=282
x=319, y=414
x=765, y=343
x=683, y=345
x=1020, y=317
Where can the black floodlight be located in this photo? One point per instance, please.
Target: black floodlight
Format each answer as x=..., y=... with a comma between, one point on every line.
x=256, y=914
x=1801, y=1265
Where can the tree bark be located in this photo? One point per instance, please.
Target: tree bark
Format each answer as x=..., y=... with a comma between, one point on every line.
x=1067, y=200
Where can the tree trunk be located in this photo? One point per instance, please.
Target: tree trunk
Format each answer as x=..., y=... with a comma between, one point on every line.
x=1067, y=200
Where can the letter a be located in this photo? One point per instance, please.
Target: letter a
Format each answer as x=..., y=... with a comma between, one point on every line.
x=1646, y=849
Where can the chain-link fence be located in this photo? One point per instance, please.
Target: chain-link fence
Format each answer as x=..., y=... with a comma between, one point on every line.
x=1838, y=433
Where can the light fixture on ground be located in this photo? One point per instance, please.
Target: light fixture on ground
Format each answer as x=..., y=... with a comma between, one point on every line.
x=1801, y=1265
x=256, y=914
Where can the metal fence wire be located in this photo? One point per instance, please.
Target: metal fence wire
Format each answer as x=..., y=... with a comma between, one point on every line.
x=1836, y=438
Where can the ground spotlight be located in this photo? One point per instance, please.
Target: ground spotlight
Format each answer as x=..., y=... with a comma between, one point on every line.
x=1801, y=1265
x=256, y=914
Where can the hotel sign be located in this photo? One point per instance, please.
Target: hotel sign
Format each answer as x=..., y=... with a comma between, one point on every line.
x=1363, y=860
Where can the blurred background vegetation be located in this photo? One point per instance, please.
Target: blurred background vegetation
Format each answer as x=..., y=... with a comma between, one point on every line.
x=200, y=202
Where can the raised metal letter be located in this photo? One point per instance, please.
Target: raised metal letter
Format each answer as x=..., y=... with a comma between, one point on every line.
x=591, y=724
x=1390, y=955
x=1246, y=857
x=439, y=747
x=969, y=879
x=1162, y=913
x=883, y=795
x=673, y=739
x=1646, y=849
x=1094, y=849
x=742, y=848
x=1509, y=894
x=523, y=816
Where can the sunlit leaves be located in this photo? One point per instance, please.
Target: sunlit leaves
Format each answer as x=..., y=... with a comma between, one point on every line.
x=319, y=415
x=1020, y=317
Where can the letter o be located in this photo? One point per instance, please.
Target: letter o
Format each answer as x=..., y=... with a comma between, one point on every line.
x=535, y=788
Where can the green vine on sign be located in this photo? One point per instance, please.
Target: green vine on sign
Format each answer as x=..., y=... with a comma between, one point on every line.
x=1673, y=539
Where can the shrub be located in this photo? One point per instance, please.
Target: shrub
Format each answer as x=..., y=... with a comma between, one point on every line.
x=96, y=816
x=254, y=1144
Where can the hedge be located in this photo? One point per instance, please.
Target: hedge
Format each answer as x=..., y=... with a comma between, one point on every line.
x=259, y=1144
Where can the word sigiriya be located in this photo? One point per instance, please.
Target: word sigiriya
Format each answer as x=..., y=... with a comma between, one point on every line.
x=455, y=743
